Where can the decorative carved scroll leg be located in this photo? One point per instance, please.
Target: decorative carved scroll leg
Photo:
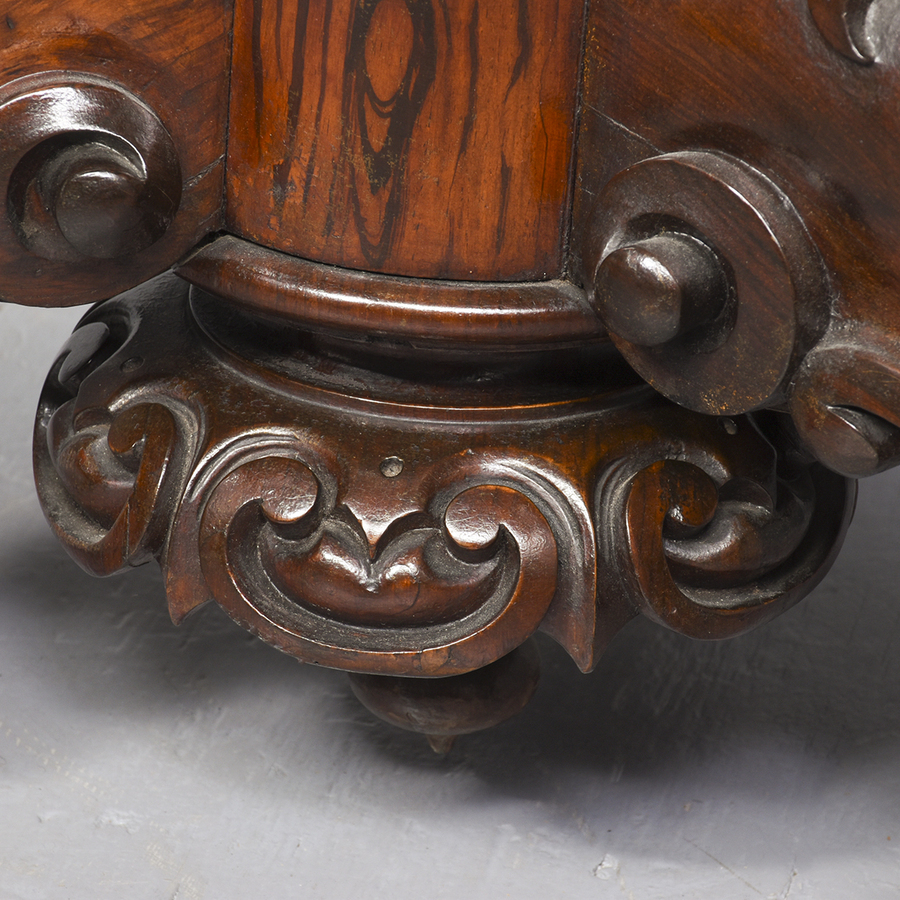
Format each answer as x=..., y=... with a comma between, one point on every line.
x=442, y=708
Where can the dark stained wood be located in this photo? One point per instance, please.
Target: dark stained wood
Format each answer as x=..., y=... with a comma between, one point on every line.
x=763, y=85
x=460, y=313
x=843, y=24
x=444, y=708
x=763, y=302
x=659, y=288
x=100, y=178
x=173, y=56
x=406, y=136
x=374, y=413
x=846, y=401
x=428, y=537
x=804, y=95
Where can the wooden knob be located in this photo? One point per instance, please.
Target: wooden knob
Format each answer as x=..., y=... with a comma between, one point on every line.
x=706, y=278
x=102, y=202
x=652, y=291
x=96, y=173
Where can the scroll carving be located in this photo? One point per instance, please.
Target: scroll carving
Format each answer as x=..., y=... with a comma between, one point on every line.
x=846, y=402
x=410, y=478
x=287, y=502
x=109, y=463
x=112, y=485
x=706, y=277
x=442, y=590
x=739, y=238
x=711, y=552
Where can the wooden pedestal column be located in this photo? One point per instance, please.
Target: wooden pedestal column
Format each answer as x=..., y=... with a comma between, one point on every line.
x=360, y=388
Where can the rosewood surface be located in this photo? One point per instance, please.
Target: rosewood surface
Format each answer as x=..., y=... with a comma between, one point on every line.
x=379, y=408
x=412, y=137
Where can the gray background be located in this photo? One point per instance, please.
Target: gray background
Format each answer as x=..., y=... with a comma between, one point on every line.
x=139, y=760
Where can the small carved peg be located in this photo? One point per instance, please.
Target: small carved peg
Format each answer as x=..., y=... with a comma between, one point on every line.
x=655, y=290
x=91, y=172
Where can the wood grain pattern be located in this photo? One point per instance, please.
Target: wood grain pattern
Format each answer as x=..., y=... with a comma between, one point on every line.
x=762, y=84
x=412, y=137
x=174, y=56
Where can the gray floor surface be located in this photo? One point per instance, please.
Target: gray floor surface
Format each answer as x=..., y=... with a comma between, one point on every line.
x=139, y=760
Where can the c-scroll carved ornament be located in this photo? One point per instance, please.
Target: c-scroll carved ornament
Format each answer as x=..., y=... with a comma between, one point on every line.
x=475, y=569
x=713, y=561
x=271, y=496
x=111, y=456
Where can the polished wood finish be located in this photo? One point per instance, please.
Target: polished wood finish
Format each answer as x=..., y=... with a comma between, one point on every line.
x=735, y=349
x=444, y=709
x=428, y=312
x=167, y=63
x=788, y=113
x=381, y=521
x=406, y=136
x=844, y=25
x=379, y=410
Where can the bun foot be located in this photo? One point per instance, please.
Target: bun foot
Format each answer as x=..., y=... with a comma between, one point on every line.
x=442, y=744
x=442, y=708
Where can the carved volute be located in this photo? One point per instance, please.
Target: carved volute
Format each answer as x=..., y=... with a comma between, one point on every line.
x=97, y=176
x=703, y=272
x=112, y=158
x=737, y=218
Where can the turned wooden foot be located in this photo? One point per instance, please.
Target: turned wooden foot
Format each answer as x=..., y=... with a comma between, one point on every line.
x=442, y=708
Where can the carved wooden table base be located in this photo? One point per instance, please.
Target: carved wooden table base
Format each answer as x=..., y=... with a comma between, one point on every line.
x=397, y=525
x=377, y=409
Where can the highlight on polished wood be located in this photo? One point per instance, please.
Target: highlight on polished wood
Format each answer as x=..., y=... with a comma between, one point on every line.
x=424, y=326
